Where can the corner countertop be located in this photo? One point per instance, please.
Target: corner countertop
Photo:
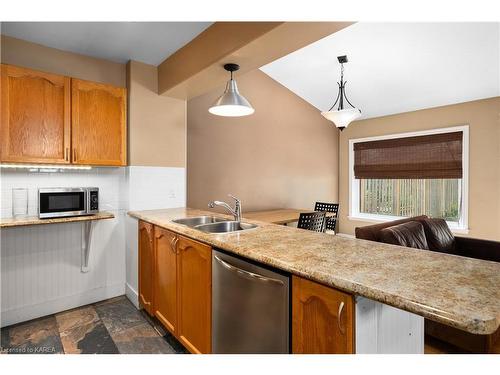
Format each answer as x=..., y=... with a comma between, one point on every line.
x=35, y=220
x=453, y=290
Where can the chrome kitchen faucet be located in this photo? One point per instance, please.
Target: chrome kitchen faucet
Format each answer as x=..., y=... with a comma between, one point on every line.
x=236, y=211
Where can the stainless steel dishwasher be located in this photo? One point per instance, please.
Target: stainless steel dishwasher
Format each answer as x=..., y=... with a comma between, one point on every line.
x=250, y=307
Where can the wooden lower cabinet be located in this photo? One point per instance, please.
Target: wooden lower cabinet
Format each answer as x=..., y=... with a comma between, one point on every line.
x=146, y=266
x=165, y=281
x=322, y=319
x=175, y=285
x=194, y=291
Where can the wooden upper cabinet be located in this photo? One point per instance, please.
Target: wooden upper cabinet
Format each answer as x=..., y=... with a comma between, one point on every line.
x=194, y=292
x=99, y=117
x=165, y=281
x=322, y=319
x=146, y=266
x=35, y=121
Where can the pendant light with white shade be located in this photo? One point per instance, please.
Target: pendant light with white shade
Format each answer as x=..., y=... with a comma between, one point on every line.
x=231, y=103
x=342, y=117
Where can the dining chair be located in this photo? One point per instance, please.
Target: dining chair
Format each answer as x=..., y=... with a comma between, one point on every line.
x=314, y=221
x=330, y=221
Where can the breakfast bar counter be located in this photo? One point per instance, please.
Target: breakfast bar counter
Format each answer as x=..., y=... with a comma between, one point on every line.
x=460, y=292
x=35, y=220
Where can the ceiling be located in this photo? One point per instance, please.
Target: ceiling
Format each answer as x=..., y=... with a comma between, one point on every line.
x=397, y=67
x=148, y=42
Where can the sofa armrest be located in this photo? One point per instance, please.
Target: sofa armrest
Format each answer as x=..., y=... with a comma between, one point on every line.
x=477, y=248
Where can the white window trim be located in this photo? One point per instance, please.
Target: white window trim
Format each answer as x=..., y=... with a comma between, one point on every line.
x=354, y=214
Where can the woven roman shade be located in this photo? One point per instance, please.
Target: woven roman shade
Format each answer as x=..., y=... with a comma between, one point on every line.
x=426, y=156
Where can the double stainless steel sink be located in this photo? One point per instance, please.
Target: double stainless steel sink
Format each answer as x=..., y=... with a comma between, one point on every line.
x=214, y=224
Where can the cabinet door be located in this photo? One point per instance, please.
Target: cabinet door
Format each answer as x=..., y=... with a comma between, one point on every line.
x=165, y=282
x=146, y=266
x=35, y=121
x=194, y=291
x=322, y=319
x=99, y=118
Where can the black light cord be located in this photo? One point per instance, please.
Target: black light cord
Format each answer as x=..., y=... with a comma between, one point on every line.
x=342, y=92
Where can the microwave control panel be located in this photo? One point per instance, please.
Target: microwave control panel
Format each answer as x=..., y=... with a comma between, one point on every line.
x=93, y=200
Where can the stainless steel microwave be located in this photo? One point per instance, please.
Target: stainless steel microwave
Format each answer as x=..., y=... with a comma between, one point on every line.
x=63, y=202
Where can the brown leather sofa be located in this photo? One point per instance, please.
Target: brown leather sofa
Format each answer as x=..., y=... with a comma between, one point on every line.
x=424, y=233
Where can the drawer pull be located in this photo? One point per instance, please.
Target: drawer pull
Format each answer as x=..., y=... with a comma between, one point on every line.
x=339, y=317
x=173, y=244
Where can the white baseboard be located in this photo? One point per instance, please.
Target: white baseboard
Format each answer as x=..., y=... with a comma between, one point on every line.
x=132, y=294
x=26, y=313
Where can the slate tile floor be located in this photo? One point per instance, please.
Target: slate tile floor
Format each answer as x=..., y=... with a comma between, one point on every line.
x=109, y=327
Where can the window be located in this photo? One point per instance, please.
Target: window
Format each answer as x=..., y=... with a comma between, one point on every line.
x=410, y=174
x=411, y=197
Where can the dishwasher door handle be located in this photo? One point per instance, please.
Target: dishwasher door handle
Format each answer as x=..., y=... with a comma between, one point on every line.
x=247, y=274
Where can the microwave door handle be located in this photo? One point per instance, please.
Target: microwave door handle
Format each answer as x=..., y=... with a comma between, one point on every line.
x=87, y=201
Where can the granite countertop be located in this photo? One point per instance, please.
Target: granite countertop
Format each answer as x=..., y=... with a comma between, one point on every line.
x=457, y=291
x=35, y=220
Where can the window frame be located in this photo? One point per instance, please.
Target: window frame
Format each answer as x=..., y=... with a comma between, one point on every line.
x=354, y=185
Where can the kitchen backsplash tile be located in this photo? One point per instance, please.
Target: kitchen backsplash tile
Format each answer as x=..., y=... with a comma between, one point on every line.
x=154, y=187
x=108, y=180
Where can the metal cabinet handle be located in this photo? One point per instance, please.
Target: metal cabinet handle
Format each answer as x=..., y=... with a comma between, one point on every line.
x=173, y=244
x=247, y=274
x=339, y=316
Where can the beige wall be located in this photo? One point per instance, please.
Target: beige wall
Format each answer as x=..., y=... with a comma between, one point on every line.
x=35, y=56
x=483, y=118
x=157, y=124
x=284, y=155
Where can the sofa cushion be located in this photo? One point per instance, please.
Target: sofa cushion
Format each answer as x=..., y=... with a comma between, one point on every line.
x=372, y=232
x=439, y=236
x=409, y=234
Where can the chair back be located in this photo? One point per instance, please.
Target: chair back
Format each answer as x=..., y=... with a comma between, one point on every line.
x=330, y=221
x=327, y=207
x=312, y=221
